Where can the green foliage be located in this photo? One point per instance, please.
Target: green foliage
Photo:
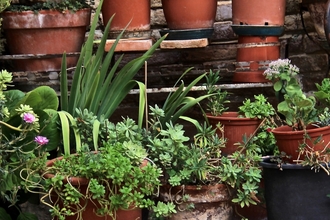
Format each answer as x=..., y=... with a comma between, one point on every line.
x=163, y=210
x=201, y=162
x=218, y=98
x=97, y=85
x=28, y=129
x=265, y=139
x=283, y=74
x=323, y=93
x=178, y=102
x=323, y=118
x=4, y=4
x=299, y=110
x=241, y=171
x=116, y=179
x=259, y=108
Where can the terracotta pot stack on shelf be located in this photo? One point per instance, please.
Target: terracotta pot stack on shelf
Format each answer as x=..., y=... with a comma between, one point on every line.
x=258, y=31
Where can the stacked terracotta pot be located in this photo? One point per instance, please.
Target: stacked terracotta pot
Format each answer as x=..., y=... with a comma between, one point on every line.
x=258, y=24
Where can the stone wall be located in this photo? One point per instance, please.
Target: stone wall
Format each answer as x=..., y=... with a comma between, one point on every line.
x=166, y=66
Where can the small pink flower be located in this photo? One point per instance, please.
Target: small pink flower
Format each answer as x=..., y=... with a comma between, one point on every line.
x=268, y=129
x=29, y=118
x=41, y=140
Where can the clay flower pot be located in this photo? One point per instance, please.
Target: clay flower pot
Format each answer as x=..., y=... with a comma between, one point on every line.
x=46, y=32
x=252, y=59
x=258, y=12
x=89, y=209
x=188, y=14
x=288, y=141
x=136, y=13
x=234, y=128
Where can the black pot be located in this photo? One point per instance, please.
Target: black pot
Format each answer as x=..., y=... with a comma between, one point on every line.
x=296, y=192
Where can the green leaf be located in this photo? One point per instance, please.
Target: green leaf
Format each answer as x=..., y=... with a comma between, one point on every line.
x=42, y=97
x=278, y=85
x=4, y=215
x=27, y=216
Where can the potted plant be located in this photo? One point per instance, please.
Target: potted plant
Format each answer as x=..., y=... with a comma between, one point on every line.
x=112, y=182
x=302, y=120
x=28, y=126
x=236, y=124
x=303, y=137
x=58, y=26
x=189, y=20
x=198, y=180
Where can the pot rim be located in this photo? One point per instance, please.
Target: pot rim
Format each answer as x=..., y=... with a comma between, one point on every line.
x=285, y=129
x=266, y=163
x=231, y=116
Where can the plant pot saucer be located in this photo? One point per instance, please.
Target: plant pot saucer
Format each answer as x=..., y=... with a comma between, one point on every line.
x=187, y=34
x=262, y=30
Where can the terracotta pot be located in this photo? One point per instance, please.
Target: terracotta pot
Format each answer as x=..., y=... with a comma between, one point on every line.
x=210, y=201
x=135, y=11
x=234, y=128
x=288, y=141
x=252, y=60
x=260, y=12
x=46, y=32
x=188, y=14
x=89, y=210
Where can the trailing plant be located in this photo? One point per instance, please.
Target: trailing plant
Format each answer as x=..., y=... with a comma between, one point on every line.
x=116, y=177
x=28, y=128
